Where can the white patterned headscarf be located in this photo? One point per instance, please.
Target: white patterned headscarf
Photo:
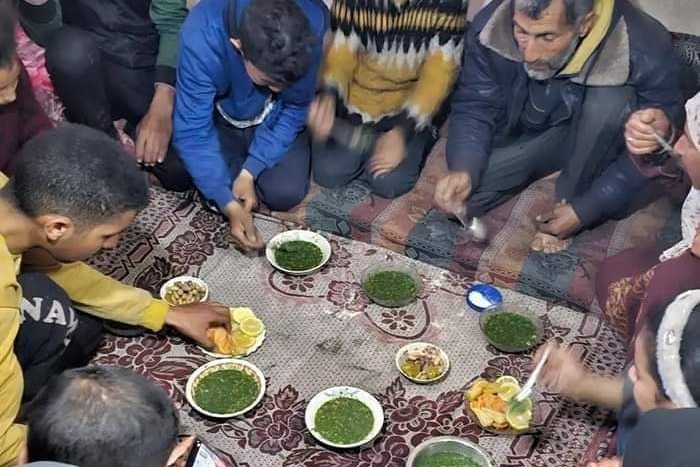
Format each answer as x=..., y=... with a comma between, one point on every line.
x=690, y=215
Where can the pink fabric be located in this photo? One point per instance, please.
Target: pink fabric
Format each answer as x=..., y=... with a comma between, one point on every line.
x=32, y=56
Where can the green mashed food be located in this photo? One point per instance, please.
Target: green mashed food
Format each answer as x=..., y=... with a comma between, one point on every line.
x=344, y=420
x=226, y=391
x=447, y=459
x=298, y=255
x=510, y=330
x=390, y=287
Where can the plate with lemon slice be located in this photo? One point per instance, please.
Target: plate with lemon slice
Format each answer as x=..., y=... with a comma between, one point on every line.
x=492, y=405
x=246, y=336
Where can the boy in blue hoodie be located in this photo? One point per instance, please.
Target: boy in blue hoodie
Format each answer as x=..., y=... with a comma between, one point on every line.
x=246, y=76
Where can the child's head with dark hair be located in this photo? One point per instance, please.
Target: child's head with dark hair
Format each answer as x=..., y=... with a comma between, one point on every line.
x=78, y=190
x=277, y=42
x=102, y=417
x=9, y=66
x=649, y=390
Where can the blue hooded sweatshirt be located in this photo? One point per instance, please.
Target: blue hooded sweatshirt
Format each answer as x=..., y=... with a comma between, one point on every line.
x=211, y=72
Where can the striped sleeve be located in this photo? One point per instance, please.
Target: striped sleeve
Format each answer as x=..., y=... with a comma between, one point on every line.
x=342, y=47
x=442, y=61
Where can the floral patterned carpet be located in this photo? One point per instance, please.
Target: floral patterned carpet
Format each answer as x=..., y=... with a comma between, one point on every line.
x=322, y=331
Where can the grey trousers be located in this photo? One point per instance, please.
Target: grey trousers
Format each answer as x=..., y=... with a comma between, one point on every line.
x=334, y=166
x=583, y=151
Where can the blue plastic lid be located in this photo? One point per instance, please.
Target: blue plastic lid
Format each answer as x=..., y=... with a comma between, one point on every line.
x=482, y=297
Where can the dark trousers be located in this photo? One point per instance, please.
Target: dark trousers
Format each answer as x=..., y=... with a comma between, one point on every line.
x=582, y=150
x=281, y=187
x=335, y=166
x=53, y=336
x=96, y=91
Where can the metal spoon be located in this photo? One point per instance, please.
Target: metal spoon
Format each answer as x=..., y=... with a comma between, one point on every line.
x=474, y=226
x=526, y=390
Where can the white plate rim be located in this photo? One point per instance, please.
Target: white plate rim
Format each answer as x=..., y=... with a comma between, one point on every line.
x=172, y=281
x=411, y=346
x=344, y=391
x=219, y=362
x=304, y=235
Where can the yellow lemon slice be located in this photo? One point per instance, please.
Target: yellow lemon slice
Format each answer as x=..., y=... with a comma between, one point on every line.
x=519, y=416
x=241, y=313
x=508, y=390
x=252, y=327
x=507, y=379
x=519, y=421
x=243, y=340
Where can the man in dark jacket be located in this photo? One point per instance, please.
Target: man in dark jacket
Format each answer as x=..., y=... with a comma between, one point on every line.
x=245, y=80
x=585, y=87
x=116, y=59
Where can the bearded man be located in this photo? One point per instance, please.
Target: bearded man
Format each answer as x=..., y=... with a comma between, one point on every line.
x=584, y=87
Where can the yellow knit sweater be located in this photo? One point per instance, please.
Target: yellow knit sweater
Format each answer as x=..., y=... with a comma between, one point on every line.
x=387, y=57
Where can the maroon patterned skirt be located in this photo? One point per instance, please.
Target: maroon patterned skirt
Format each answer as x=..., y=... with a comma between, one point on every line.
x=634, y=283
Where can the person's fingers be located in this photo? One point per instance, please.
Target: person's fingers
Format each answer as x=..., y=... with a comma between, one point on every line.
x=636, y=128
x=647, y=116
x=140, y=146
x=642, y=148
x=152, y=149
x=240, y=235
x=251, y=233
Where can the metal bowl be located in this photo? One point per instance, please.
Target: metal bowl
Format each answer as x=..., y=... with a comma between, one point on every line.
x=449, y=444
x=536, y=320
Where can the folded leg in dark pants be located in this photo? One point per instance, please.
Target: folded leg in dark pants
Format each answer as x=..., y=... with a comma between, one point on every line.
x=53, y=336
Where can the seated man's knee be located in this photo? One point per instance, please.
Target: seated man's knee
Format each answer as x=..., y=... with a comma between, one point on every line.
x=285, y=197
x=71, y=52
x=327, y=170
x=392, y=185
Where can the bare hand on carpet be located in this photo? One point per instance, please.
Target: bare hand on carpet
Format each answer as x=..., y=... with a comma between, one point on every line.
x=156, y=128
x=389, y=152
x=640, y=129
x=321, y=117
x=242, y=226
x=195, y=319
x=555, y=229
x=452, y=191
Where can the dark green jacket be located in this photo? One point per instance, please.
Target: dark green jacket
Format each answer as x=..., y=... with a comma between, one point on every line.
x=133, y=34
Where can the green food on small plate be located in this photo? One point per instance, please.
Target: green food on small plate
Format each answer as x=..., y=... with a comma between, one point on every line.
x=510, y=330
x=447, y=459
x=390, y=286
x=226, y=391
x=344, y=420
x=298, y=255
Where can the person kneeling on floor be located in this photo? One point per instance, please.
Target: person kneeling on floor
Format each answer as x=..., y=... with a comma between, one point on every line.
x=246, y=76
x=73, y=192
x=388, y=68
x=584, y=87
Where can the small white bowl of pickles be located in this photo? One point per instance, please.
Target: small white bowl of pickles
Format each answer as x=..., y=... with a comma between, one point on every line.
x=183, y=290
x=422, y=362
